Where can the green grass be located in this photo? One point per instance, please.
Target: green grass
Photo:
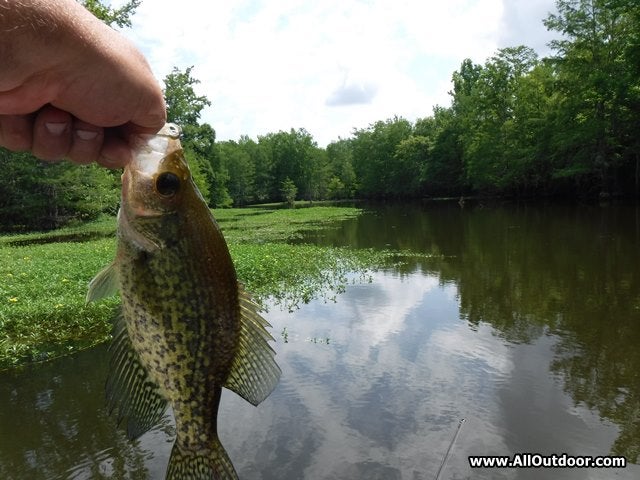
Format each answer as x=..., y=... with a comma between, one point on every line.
x=43, y=285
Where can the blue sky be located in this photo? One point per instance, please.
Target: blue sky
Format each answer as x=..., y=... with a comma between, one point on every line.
x=327, y=66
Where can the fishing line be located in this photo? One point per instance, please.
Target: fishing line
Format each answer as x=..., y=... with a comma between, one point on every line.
x=446, y=455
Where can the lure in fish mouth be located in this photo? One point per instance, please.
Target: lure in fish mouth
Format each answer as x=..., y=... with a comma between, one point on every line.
x=187, y=328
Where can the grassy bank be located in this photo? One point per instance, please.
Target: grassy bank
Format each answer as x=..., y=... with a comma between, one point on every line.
x=44, y=276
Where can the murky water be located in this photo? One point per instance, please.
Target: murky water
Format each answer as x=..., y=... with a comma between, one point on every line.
x=525, y=322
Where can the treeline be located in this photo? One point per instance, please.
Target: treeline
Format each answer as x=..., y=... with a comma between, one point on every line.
x=517, y=125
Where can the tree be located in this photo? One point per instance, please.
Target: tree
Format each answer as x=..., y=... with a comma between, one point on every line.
x=443, y=173
x=43, y=195
x=261, y=166
x=409, y=161
x=336, y=189
x=288, y=190
x=184, y=108
x=237, y=162
x=598, y=86
x=373, y=152
x=120, y=16
x=183, y=105
x=340, y=163
x=486, y=99
x=294, y=155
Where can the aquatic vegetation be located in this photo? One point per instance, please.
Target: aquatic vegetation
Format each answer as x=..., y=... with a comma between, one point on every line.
x=294, y=274
x=43, y=285
x=264, y=224
x=42, y=310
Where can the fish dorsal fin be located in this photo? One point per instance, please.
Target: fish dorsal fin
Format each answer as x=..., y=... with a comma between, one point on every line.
x=104, y=284
x=130, y=392
x=254, y=373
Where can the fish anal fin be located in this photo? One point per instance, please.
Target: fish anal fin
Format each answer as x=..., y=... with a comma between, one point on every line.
x=104, y=284
x=254, y=373
x=129, y=391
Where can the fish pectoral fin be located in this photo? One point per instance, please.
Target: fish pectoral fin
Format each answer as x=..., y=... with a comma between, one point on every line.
x=104, y=284
x=130, y=393
x=254, y=373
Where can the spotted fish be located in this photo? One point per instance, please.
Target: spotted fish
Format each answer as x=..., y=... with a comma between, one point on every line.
x=187, y=328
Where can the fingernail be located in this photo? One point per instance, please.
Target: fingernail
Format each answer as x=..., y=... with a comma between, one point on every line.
x=56, y=128
x=86, y=134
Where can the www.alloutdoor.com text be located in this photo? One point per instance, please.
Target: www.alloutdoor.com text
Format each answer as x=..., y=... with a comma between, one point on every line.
x=535, y=460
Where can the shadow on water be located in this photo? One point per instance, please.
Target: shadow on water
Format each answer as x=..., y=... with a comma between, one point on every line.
x=525, y=321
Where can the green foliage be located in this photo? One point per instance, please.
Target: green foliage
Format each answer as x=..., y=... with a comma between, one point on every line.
x=256, y=170
x=295, y=155
x=183, y=105
x=443, y=172
x=373, y=154
x=597, y=86
x=39, y=195
x=288, y=190
x=201, y=171
x=241, y=171
x=410, y=160
x=340, y=162
x=336, y=189
x=120, y=16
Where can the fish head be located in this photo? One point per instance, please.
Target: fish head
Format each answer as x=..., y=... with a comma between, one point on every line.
x=157, y=190
x=157, y=179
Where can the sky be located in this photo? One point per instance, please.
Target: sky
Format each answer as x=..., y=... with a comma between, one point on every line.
x=328, y=66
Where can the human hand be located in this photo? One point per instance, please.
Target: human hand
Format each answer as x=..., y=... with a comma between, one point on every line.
x=70, y=86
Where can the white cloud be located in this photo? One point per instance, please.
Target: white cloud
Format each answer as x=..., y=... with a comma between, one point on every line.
x=352, y=94
x=284, y=64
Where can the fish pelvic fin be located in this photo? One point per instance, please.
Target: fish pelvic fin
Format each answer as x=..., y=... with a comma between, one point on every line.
x=210, y=464
x=104, y=284
x=254, y=373
x=130, y=393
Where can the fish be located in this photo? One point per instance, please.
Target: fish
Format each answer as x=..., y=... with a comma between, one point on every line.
x=187, y=327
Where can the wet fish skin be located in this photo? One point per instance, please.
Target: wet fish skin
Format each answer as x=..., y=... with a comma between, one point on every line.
x=187, y=327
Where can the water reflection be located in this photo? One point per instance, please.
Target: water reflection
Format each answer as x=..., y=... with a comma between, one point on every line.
x=53, y=424
x=529, y=271
x=526, y=324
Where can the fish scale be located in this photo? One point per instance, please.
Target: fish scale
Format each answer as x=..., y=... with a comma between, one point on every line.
x=187, y=327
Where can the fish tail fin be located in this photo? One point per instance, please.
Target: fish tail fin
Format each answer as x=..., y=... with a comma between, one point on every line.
x=210, y=464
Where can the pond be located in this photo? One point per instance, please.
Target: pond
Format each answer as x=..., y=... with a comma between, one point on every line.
x=521, y=320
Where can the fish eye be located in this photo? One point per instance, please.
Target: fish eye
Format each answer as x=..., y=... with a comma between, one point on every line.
x=167, y=184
